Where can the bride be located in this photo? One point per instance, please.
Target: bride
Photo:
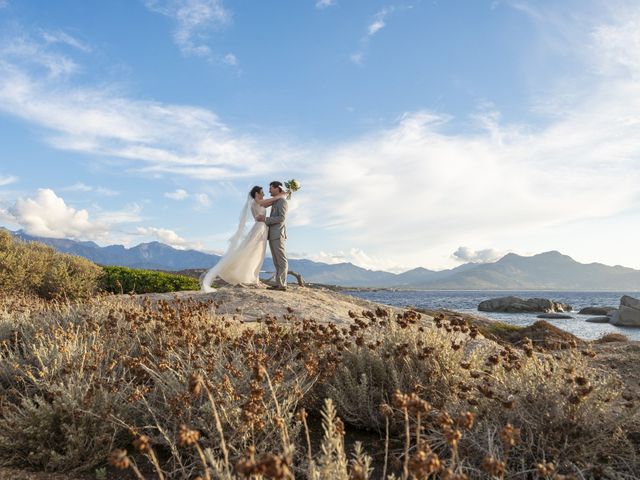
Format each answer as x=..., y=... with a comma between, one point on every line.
x=241, y=263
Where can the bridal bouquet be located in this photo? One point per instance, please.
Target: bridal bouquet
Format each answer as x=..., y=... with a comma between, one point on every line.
x=292, y=185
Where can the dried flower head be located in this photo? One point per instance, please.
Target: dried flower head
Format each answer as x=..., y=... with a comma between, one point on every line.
x=142, y=444
x=509, y=435
x=187, y=437
x=493, y=466
x=119, y=459
x=195, y=384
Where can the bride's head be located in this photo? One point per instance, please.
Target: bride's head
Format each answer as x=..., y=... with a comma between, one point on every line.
x=257, y=193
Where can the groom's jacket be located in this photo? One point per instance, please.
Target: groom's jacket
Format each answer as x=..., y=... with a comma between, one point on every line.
x=276, y=218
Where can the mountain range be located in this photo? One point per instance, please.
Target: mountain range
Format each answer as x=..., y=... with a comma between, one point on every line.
x=545, y=271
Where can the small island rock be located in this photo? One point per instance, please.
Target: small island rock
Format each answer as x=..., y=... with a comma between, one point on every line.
x=554, y=315
x=604, y=311
x=602, y=319
x=518, y=305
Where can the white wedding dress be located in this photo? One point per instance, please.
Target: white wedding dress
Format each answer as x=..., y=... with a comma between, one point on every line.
x=241, y=263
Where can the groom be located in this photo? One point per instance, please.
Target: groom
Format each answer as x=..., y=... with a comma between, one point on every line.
x=277, y=235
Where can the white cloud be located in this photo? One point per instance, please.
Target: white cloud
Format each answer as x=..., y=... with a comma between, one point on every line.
x=357, y=58
x=48, y=215
x=19, y=53
x=357, y=257
x=379, y=21
x=152, y=136
x=179, y=194
x=165, y=235
x=415, y=188
x=230, y=59
x=203, y=200
x=65, y=38
x=377, y=24
x=194, y=19
x=325, y=3
x=7, y=180
x=488, y=255
x=129, y=214
x=83, y=187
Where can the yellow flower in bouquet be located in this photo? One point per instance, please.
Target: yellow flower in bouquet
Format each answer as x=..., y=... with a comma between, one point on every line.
x=292, y=185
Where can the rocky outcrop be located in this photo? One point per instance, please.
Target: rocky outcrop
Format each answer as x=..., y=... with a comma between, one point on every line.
x=596, y=310
x=519, y=305
x=558, y=316
x=250, y=304
x=628, y=314
x=598, y=319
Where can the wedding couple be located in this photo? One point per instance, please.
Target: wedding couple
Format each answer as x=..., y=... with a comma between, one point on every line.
x=240, y=265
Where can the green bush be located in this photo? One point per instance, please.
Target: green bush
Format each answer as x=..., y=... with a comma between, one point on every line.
x=129, y=280
x=34, y=268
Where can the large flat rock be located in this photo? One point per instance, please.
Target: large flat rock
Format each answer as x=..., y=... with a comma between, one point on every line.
x=249, y=304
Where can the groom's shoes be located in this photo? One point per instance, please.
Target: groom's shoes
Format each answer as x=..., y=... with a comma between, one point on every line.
x=278, y=287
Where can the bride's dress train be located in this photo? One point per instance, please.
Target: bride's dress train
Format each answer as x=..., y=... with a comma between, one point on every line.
x=241, y=263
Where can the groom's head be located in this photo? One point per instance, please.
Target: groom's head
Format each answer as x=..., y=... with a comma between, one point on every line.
x=275, y=188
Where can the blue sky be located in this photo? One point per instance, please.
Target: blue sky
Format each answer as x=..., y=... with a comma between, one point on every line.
x=424, y=133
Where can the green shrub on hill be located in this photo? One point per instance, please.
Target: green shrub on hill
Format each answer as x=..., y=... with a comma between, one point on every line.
x=34, y=268
x=129, y=280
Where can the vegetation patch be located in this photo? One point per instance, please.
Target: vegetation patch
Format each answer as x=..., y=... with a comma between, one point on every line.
x=129, y=280
x=177, y=390
x=36, y=269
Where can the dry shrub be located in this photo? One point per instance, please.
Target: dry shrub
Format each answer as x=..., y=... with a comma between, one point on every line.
x=612, y=337
x=34, y=268
x=385, y=355
x=566, y=411
x=179, y=389
x=77, y=379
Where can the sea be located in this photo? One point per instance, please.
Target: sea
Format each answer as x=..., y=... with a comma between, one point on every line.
x=467, y=302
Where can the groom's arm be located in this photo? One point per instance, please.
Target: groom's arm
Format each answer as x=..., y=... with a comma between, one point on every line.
x=281, y=212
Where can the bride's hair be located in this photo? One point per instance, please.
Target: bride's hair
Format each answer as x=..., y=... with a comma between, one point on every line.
x=255, y=190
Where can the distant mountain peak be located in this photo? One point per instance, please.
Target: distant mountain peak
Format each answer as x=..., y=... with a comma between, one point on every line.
x=544, y=271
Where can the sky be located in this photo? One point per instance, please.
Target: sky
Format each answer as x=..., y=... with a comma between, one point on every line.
x=424, y=133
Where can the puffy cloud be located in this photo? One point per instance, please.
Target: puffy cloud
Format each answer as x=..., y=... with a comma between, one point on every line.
x=488, y=255
x=48, y=215
x=166, y=236
x=179, y=194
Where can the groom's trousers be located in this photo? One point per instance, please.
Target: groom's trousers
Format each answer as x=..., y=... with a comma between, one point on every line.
x=279, y=260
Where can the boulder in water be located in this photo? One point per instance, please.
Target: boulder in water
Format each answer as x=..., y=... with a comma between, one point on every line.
x=554, y=315
x=628, y=315
x=519, y=305
x=595, y=310
x=602, y=319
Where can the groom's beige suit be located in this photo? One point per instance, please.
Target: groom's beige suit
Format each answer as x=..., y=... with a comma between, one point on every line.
x=277, y=236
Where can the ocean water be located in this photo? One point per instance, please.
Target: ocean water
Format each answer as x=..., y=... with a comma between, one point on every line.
x=467, y=302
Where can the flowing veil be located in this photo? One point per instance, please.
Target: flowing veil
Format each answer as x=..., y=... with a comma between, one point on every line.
x=234, y=242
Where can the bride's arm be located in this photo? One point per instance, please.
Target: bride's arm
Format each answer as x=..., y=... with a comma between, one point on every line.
x=267, y=202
